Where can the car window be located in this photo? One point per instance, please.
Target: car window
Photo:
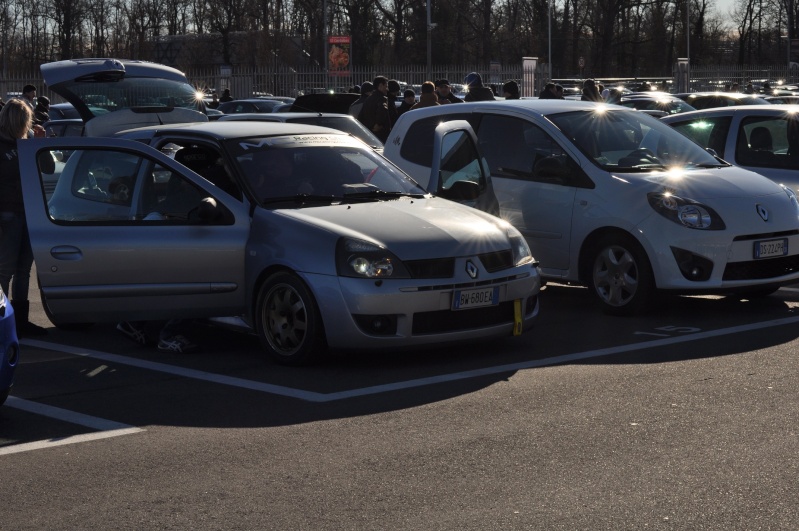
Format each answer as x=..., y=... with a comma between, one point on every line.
x=459, y=161
x=763, y=141
x=117, y=187
x=417, y=146
x=512, y=146
x=707, y=132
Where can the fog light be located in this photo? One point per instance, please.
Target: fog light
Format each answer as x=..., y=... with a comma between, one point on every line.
x=377, y=325
x=692, y=266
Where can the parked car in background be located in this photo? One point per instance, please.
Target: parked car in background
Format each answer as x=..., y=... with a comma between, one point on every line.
x=114, y=94
x=784, y=99
x=342, y=122
x=64, y=127
x=61, y=111
x=708, y=100
x=761, y=138
x=307, y=233
x=9, y=347
x=249, y=106
x=325, y=102
x=654, y=101
x=617, y=200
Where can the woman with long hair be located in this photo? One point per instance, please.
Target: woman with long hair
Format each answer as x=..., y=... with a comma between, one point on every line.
x=16, y=255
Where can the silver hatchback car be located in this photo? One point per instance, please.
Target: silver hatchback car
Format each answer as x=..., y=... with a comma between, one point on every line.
x=305, y=232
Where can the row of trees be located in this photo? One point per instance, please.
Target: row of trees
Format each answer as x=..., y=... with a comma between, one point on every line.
x=614, y=37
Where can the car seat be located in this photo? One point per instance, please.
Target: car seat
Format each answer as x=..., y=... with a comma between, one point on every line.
x=758, y=151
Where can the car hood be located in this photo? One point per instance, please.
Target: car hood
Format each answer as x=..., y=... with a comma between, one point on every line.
x=413, y=229
x=712, y=183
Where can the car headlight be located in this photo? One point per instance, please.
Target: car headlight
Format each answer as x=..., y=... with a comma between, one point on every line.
x=792, y=196
x=362, y=259
x=518, y=246
x=3, y=303
x=685, y=212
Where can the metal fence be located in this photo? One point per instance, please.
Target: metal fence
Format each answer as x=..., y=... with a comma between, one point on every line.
x=246, y=82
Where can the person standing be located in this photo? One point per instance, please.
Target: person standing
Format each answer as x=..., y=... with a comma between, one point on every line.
x=444, y=92
x=214, y=101
x=511, y=90
x=357, y=106
x=226, y=96
x=29, y=96
x=428, y=97
x=16, y=255
x=374, y=114
x=476, y=90
x=549, y=93
x=393, y=98
x=590, y=91
x=408, y=101
x=42, y=112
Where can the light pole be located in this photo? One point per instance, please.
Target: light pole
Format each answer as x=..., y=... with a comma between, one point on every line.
x=550, y=40
x=430, y=27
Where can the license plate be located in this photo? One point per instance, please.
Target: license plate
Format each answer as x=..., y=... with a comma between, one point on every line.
x=769, y=248
x=475, y=298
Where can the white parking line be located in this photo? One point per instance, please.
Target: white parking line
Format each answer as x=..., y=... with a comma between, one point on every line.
x=108, y=428
x=311, y=396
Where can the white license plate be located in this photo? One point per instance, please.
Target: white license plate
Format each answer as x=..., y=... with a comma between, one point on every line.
x=769, y=248
x=475, y=298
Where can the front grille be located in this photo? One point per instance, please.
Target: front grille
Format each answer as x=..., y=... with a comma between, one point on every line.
x=497, y=261
x=434, y=268
x=759, y=269
x=765, y=236
x=450, y=321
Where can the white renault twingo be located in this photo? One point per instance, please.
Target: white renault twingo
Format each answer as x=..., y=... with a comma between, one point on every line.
x=614, y=199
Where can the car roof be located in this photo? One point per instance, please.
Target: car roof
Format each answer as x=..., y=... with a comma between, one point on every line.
x=730, y=95
x=754, y=110
x=237, y=129
x=282, y=116
x=535, y=105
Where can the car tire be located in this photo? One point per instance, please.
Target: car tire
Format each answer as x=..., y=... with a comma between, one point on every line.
x=288, y=321
x=621, y=276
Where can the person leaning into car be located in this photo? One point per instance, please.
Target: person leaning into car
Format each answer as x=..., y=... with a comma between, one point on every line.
x=16, y=255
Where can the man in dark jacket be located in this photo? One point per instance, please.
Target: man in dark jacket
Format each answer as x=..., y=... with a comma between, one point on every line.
x=366, y=90
x=444, y=92
x=476, y=90
x=374, y=114
x=393, y=100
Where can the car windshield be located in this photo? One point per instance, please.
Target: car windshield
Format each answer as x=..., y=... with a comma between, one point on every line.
x=630, y=141
x=313, y=170
x=113, y=95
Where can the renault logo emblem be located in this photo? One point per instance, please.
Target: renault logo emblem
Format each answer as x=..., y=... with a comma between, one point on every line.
x=471, y=269
x=761, y=210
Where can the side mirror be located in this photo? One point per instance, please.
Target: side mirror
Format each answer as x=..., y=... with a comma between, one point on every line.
x=461, y=191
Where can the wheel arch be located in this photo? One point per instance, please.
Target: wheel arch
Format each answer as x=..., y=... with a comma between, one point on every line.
x=590, y=241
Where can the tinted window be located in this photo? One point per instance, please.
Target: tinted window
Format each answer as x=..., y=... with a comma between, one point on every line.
x=763, y=141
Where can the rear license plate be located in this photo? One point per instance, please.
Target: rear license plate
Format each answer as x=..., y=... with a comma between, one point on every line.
x=769, y=248
x=475, y=298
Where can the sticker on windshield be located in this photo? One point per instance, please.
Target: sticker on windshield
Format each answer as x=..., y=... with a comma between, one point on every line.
x=298, y=140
